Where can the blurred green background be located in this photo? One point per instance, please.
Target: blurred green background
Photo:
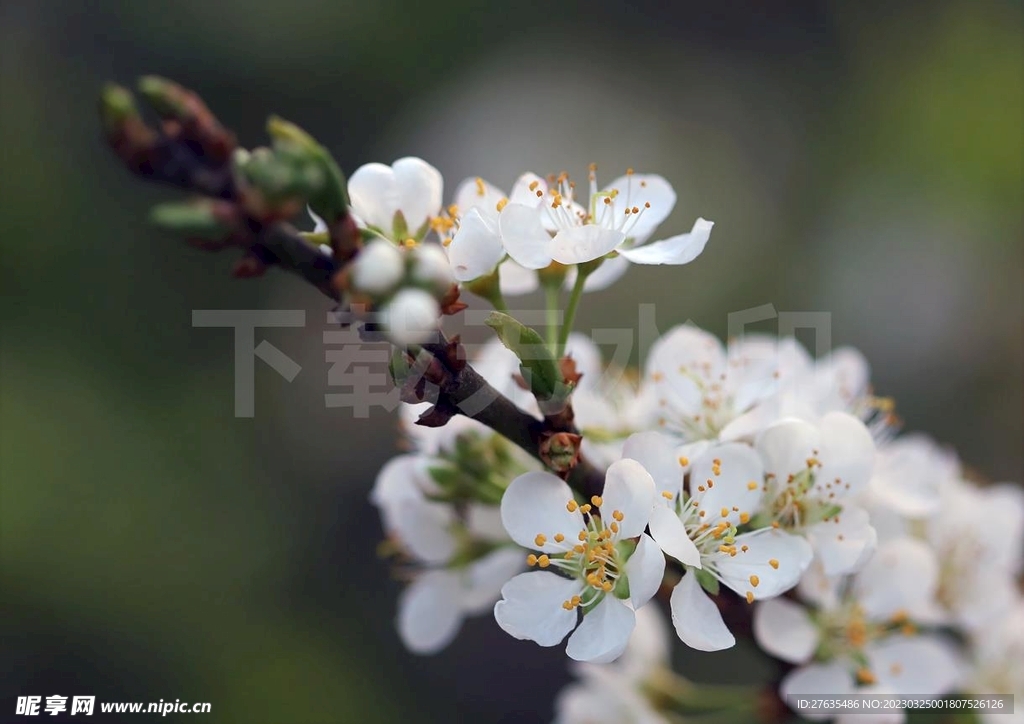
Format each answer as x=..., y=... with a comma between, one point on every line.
x=863, y=159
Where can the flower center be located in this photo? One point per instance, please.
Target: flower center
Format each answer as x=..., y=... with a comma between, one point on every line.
x=594, y=555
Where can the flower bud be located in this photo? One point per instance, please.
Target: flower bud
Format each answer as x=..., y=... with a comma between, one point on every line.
x=430, y=267
x=411, y=317
x=378, y=269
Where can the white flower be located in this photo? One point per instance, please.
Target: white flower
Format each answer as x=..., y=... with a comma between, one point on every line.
x=701, y=388
x=978, y=535
x=811, y=474
x=396, y=201
x=619, y=218
x=445, y=588
x=411, y=317
x=997, y=662
x=601, y=571
x=701, y=531
x=861, y=637
x=378, y=268
x=470, y=230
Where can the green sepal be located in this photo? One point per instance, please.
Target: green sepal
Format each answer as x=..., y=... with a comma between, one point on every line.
x=707, y=581
x=621, y=590
x=191, y=218
x=538, y=365
x=399, y=227
x=164, y=95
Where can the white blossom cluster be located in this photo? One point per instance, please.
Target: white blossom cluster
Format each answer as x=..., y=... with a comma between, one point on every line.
x=746, y=472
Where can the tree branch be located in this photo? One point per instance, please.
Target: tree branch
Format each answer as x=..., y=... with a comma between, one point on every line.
x=192, y=151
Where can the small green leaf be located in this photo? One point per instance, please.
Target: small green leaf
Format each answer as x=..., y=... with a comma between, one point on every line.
x=707, y=581
x=399, y=226
x=538, y=365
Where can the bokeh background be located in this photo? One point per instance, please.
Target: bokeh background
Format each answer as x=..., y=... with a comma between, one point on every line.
x=863, y=159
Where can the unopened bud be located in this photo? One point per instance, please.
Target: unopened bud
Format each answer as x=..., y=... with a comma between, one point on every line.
x=411, y=317
x=378, y=269
x=201, y=217
x=430, y=267
x=561, y=451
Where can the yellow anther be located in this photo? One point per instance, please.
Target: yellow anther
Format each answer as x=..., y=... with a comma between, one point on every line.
x=865, y=676
x=744, y=548
x=716, y=461
x=750, y=596
x=629, y=172
x=752, y=485
x=480, y=188
x=501, y=204
x=582, y=535
x=607, y=586
x=531, y=560
x=618, y=515
x=576, y=600
x=775, y=524
x=453, y=210
x=754, y=580
x=908, y=629
x=702, y=513
x=592, y=167
x=614, y=527
x=684, y=461
x=571, y=506
x=774, y=563
x=567, y=606
x=543, y=561
x=533, y=185
x=559, y=537
x=667, y=495
x=579, y=549
x=540, y=540
x=744, y=518
x=647, y=204
x=596, y=501
x=701, y=488
x=585, y=508
x=725, y=512
x=711, y=483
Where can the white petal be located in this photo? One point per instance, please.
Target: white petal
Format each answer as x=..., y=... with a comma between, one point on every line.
x=536, y=503
x=637, y=190
x=676, y=250
x=319, y=225
x=424, y=528
x=516, y=279
x=736, y=490
x=650, y=646
x=786, y=446
x=629, y=489
x=531, y=607
x=374, y=195
x=909, y=473
x=657, y=453
x=524, y=238
x=847, y=455
x=784, y=629
x=583, y=243
x=604, y=633
x=696, y=618
x=475, y=193
x=925, y=666
x=610, y=271
x=378, y=268
x=397, y=484
x=790, y=552
x=523, y=194
x=420, y=190
x=429, y=612
x=844, y=542
x=645, y=569
x=903, y=576
x=483, y=579
x=817, y=680
x=475, y=249
x=670, y=533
